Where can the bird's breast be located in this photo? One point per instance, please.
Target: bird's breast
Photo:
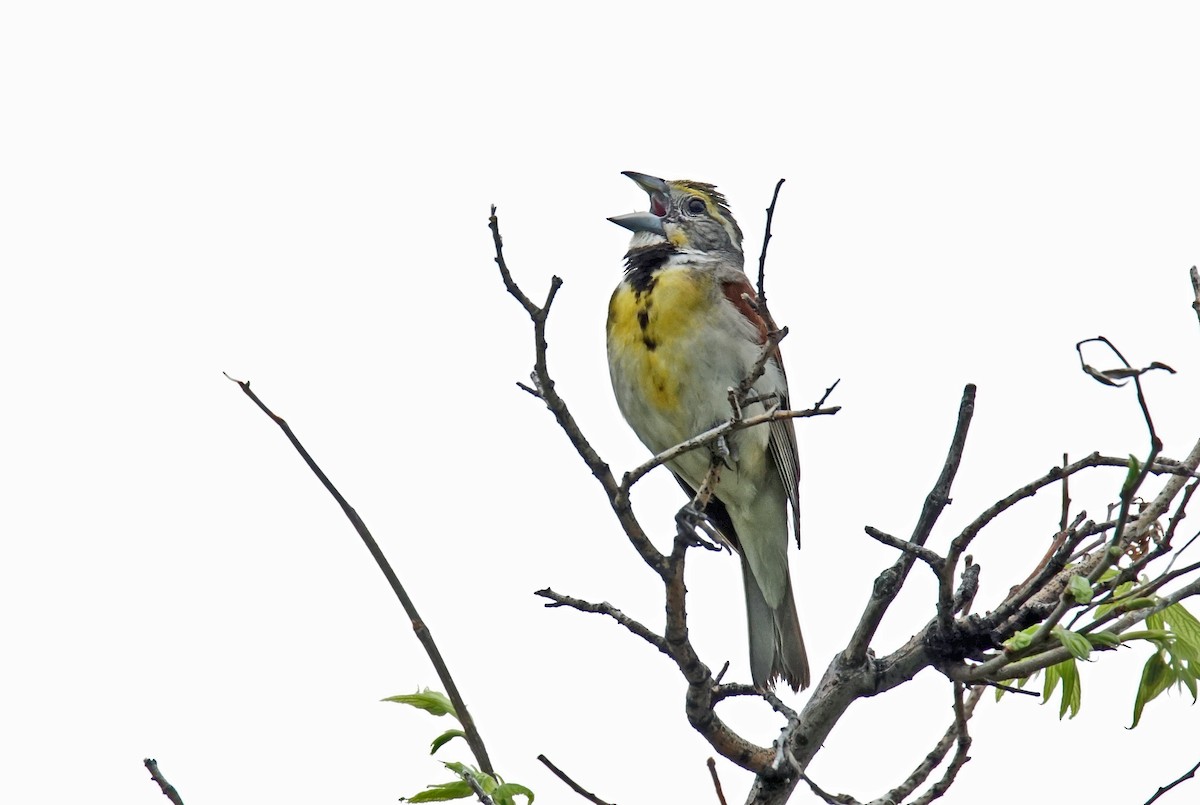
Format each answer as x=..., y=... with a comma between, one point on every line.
x=652, y=325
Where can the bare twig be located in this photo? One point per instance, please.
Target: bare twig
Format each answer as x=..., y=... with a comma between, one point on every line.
x=712, y=769
x=712, y=434
x=997, y=669
x=931, y=558
x=576, y=787
x=968, y=586
x=762, y=258
x=1066, y=501
x=769, y=349
x=168, y=790
x=1190, y=773
x=545, y=391
x=474, y=740
x=1195, y=275
x=1178, y=517
x=830, y=799
x=1180, y=470
x=604, y=608
x=888, y=585
x=825, y=396
x=1010, y=689
x=960, y=758
x=935, y=756
x=1186, y=545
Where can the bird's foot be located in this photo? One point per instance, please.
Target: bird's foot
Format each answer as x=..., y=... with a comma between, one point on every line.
x=721, y=453
x=694, y=527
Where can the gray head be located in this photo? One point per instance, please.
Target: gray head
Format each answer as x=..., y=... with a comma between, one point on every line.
x=690, y=215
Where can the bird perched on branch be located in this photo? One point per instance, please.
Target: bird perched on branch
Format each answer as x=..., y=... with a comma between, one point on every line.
x=683, y=329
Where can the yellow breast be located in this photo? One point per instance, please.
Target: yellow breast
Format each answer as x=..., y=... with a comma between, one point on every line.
x=650, y=330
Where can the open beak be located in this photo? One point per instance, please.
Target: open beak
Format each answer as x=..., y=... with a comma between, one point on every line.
x=640, y=222
x=660, y=202
x=657, y=189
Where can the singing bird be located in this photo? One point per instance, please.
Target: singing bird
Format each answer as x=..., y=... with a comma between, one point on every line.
x=682, y=330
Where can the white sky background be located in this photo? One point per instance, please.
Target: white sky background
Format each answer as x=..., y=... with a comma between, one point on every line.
x=297, y=193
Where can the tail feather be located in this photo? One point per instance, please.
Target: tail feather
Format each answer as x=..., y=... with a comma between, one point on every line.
x=776, y=644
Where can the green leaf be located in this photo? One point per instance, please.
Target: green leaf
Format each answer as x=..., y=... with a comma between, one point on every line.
x=1188, y=678
x=444, y=739
x=1183, y=624
x=442, y=793
x=1072, y=693
x=1159, y=636
x=504, y=794
x=486, y=781
x=1137, y=603
x=1017, y=642
x=1077, y=644
x=1021, y=639
x=1052, y=679
x=1080, y=589
x=1156, y=677
x=1104, y=639
x=431, y=701
x=1156, y=620
x=1109, y=574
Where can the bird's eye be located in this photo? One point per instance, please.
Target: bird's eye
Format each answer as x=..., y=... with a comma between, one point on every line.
x=696, y=205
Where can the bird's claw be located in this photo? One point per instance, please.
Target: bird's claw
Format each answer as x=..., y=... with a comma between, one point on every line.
x=721, y=454
x=694, y=527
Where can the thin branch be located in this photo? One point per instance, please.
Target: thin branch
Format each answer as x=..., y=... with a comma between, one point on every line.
x=1179, y=470
x=1048, y=570
x=1066, y=501
x=1011, y=689
x=935, y=756
x=604, y=608
x=767, y=351
x=480, y=794
x=830, y=799
x=474, y=740
x=968, y=586
x=712, y=769
x=888, y=585
x=168, y=790
x=960, y=758
x=1190, y=773
x=544, y=390
x=762, y=258
x=825, y=396
x=1144, y=591
x=1178, y=517
x=931, y=558
x=1130, y=489
x=576, y=787
x=712, y=434
x=1186, y=545
x=1195, y=275
x=1027, y=665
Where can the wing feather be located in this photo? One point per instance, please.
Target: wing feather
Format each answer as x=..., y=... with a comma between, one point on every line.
x=786, y=454
x=784, y=451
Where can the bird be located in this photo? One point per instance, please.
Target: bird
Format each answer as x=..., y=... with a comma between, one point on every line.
x=683, y=328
